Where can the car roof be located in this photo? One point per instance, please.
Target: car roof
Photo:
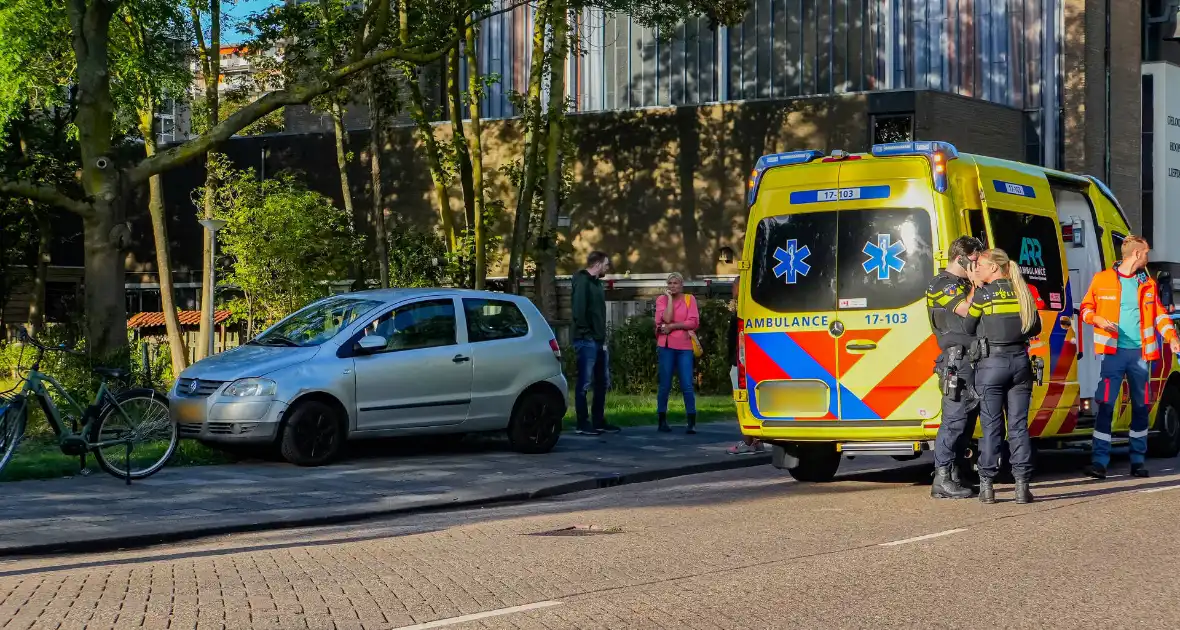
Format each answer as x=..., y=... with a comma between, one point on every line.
x=394, y=295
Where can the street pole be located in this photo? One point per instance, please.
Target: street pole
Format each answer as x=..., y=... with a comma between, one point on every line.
x=213, y=225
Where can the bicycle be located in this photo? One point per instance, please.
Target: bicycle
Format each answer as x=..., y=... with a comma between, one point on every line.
x=131, y=433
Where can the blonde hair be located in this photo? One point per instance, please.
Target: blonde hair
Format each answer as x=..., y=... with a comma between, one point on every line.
x=675, y=275
x=1132, y=243
x=1011, y=270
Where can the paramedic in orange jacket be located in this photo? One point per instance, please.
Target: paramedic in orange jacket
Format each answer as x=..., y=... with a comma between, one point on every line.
x=1123, y=307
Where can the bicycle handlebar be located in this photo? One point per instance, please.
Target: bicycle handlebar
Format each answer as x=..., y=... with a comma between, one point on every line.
x=26, y=337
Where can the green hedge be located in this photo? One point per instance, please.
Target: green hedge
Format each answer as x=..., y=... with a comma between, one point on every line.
x=633, y=361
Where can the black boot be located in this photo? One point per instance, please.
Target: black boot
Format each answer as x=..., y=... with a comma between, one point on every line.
x=987, y=494
x=664, y=428
x=692, y=424
x=945, y=487
x=1023, y=494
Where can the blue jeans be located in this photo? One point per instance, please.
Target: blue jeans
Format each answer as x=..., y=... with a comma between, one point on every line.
x=680, y=363
x=1129, y=363
x=592, y=371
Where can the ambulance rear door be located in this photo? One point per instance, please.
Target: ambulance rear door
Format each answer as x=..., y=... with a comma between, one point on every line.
x=885, y=262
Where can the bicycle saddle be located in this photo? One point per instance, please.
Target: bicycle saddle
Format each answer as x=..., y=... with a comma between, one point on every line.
x=112, y=373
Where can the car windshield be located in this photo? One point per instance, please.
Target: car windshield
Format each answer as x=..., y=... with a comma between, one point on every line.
x=317, y=323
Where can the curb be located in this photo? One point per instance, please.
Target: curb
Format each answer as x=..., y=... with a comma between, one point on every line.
x=116, y=542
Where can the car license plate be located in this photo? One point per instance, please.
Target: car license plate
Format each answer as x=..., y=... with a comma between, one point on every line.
x=189, y=414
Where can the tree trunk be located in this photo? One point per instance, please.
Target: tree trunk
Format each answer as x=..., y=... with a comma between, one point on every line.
x=426, y=135
x=466, y=177
x=163, y=255
x=474, y=91
x=342, y=156
x=104, y=232
x=532, y=118
x=41, y=275
x=376, y=150
x=211, y=67
x=547, y=251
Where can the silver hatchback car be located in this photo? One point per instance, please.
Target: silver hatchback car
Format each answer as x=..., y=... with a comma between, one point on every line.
x=378, y=364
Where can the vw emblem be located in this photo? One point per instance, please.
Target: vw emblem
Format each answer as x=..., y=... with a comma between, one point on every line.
x=193, y=386
x=836, y=328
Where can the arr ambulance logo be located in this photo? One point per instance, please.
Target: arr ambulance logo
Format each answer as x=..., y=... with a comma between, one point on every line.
x=791, y=261
x=1030, y=253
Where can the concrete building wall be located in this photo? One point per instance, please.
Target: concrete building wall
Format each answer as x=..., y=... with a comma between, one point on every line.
x=663, y=188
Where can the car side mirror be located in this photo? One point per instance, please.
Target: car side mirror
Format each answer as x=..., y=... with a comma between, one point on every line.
x=371, y=343
x=1164, y=280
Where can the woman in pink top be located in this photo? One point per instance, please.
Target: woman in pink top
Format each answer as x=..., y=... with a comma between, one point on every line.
x=674, y=326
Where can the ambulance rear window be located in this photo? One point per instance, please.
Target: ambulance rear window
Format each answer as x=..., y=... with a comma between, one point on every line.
x=794, y=265
x=851, y=260
x=886, y=258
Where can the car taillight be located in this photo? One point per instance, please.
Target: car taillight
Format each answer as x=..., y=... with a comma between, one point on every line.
x=556, y=348
x=741, y=349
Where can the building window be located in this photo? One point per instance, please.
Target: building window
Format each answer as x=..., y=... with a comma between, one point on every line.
x=1034, y=147
x=897, y=128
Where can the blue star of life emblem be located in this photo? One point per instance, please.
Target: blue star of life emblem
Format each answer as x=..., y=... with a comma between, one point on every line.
x=790, y=261
x=884, y=257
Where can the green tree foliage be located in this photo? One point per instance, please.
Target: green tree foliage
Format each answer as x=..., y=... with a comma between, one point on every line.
x=285, y=244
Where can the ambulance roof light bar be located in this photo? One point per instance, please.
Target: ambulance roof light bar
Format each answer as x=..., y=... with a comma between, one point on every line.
x=939, y=153
x=777, y=159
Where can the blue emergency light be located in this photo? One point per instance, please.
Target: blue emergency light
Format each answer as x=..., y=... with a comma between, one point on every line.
x=777, y=159
x=939, y=153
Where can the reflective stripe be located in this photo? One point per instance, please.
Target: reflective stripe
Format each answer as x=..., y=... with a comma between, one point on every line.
x=1098, y=435
x=1148, y=332
x=1134, y=434
x=1149, y=348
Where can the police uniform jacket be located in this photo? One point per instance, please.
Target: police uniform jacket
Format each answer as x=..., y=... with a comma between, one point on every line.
x=946, y=292
x=995, y=315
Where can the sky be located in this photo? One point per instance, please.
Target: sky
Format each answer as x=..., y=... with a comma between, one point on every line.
x=241, y=10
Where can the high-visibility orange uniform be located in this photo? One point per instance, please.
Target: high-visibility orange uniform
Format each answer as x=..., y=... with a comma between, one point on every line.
x=1103, y=299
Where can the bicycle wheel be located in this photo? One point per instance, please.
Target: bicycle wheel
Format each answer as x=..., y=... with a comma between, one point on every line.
x=144, y=422
x=12, y=428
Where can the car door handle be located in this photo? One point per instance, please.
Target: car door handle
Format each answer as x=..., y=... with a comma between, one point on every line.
x=460, y=359
x=861, y=345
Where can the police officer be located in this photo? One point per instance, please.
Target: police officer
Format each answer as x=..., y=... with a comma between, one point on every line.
x=1005, y=317
x=947, y=301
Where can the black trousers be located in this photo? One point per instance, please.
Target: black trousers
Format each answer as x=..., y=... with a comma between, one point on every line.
x=958, y=416
x=1005, y=383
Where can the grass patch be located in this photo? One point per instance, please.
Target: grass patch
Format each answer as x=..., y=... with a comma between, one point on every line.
x=640, y=410
x=40, y=458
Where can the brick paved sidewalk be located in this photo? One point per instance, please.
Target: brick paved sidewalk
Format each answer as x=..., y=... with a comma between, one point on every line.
x=99, y=512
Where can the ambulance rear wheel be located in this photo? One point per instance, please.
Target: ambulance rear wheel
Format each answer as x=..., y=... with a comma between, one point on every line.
x=1165, y=442
x=818, y=463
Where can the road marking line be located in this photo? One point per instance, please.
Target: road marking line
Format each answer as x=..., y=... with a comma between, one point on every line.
x=476, y=616
x=1161, y=489
x=920, y=538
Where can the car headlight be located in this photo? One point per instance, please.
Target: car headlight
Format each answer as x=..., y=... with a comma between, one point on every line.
x=244, y=387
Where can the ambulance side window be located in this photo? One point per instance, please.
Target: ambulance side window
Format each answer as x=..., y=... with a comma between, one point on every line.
x=976, y=226
x=1035, y=243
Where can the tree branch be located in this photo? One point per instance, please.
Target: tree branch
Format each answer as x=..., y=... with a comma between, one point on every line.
x=45, y=194
x=272, y=101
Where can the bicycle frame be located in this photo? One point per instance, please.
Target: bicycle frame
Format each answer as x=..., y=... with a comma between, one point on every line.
x=36, y=386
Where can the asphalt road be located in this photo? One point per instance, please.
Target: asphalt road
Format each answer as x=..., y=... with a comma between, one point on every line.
x=741, y=549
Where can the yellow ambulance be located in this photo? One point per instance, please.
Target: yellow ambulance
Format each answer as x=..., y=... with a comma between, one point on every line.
x=835, y=347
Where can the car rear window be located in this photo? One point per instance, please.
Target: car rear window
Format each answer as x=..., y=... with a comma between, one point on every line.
x=848, y=259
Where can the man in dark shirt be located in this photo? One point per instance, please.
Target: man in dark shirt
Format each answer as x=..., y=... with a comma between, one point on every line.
x=589, y=335
x=947, y=301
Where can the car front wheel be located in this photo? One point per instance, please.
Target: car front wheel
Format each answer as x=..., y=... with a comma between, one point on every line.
x=313, y=435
